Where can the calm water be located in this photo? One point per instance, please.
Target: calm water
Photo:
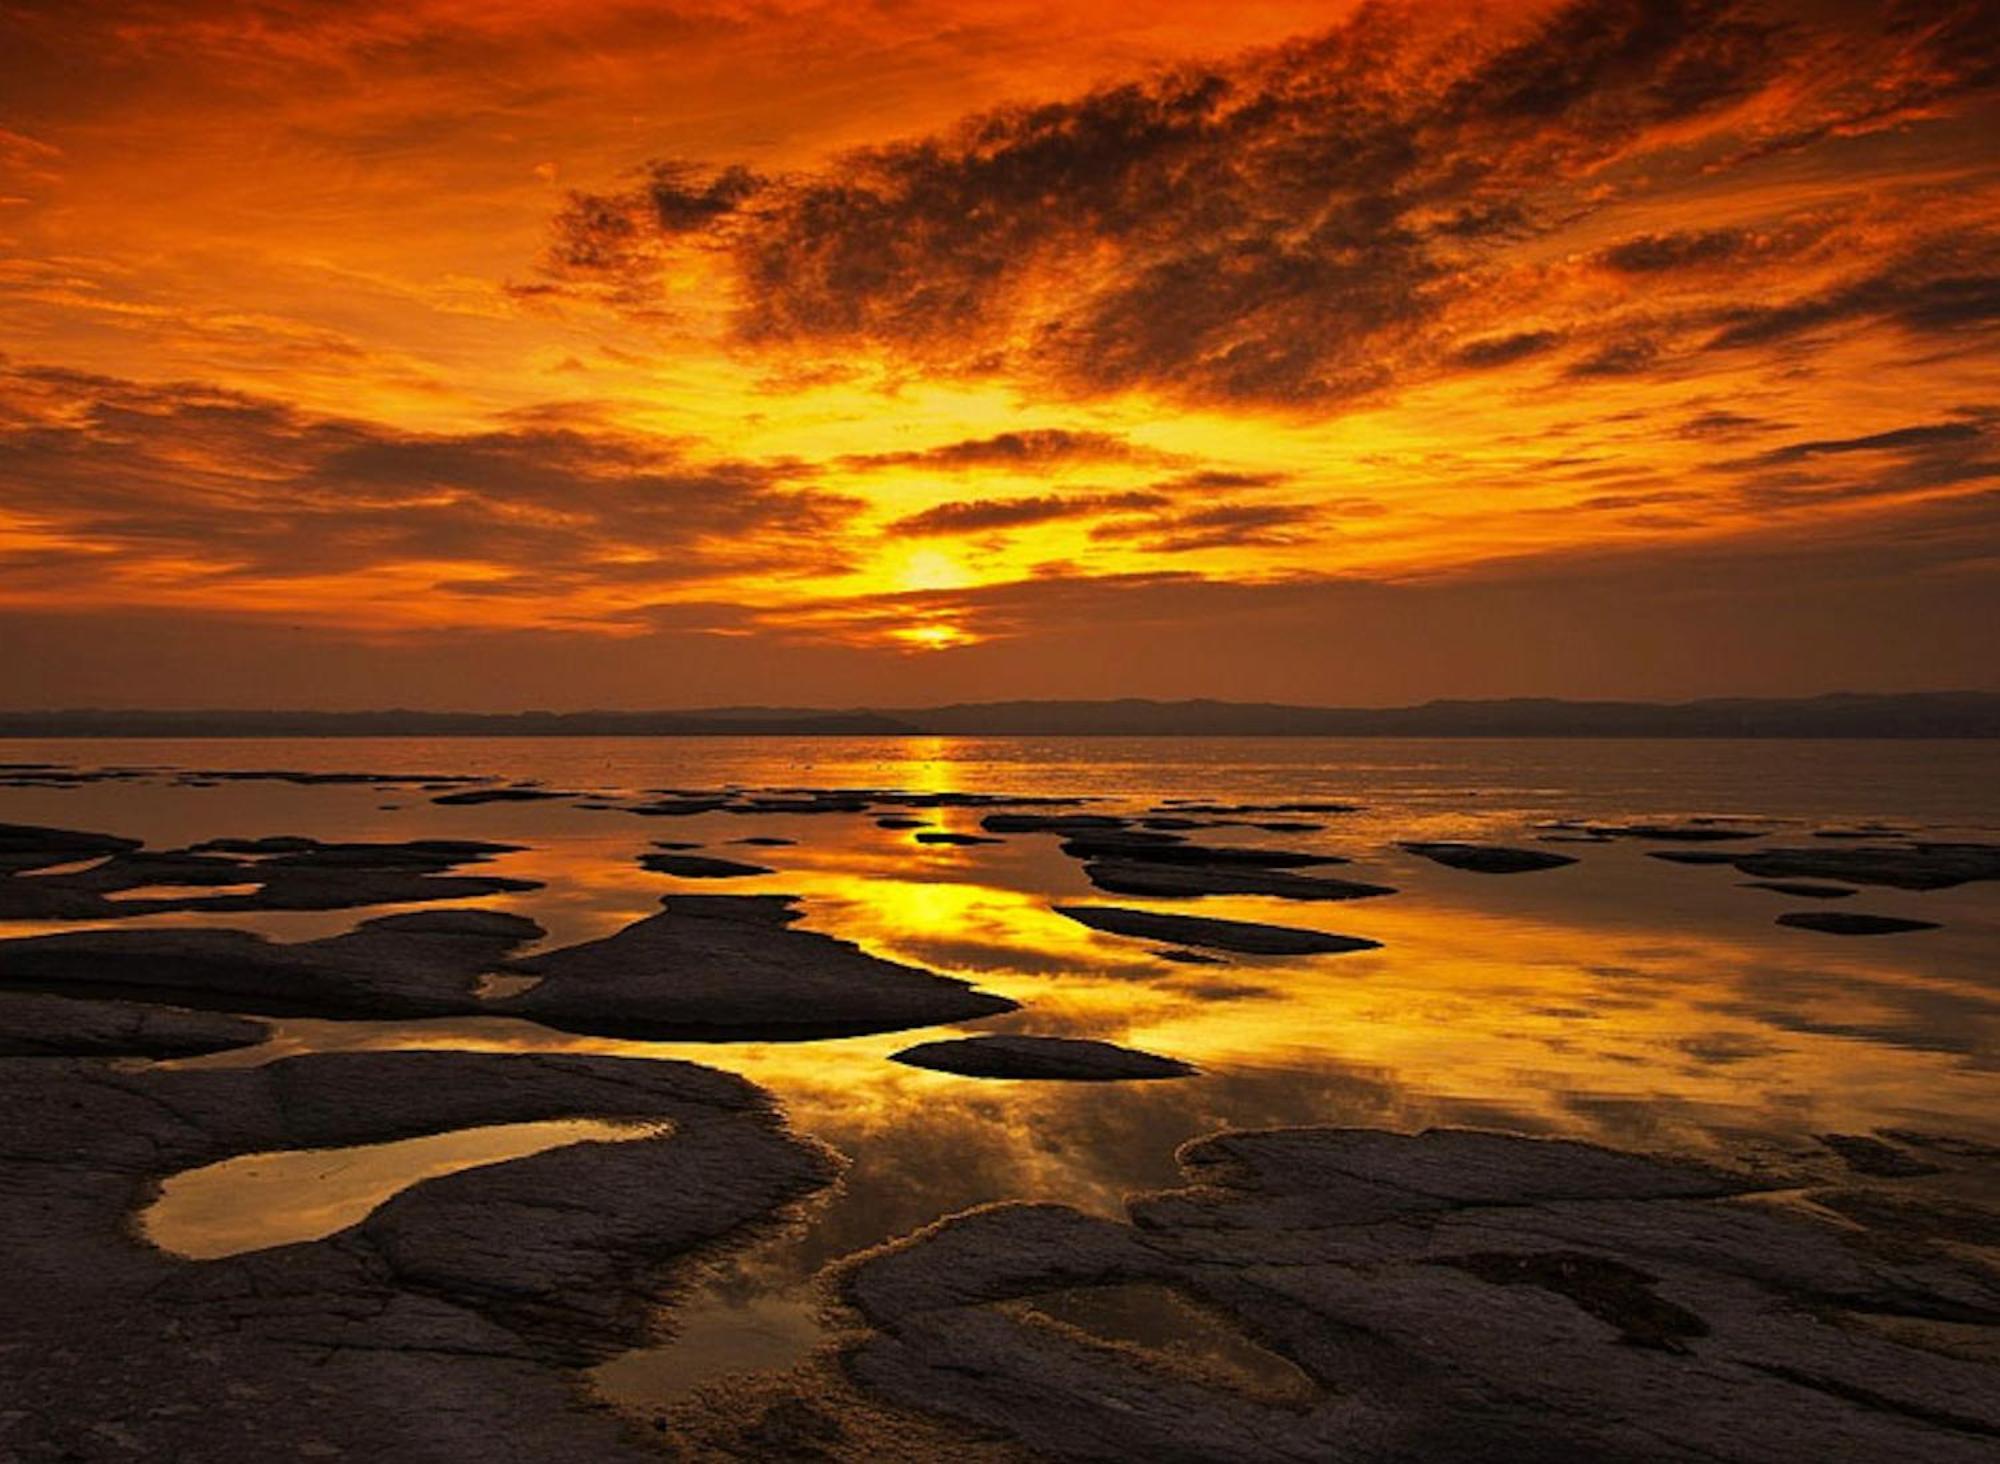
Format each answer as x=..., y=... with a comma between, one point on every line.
x=1624, y=999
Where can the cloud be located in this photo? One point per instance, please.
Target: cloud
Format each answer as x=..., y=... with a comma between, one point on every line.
x=188, y=488
x=985, y=514
x=1221, y=526
x=1302, y=225
x=1031, y=448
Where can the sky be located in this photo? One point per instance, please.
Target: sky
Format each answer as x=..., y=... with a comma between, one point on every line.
x=512, y=353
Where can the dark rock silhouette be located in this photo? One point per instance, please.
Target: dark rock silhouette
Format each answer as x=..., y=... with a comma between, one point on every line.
x=1061, y=1059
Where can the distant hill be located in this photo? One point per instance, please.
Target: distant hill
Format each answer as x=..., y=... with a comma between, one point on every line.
x=1844, y=714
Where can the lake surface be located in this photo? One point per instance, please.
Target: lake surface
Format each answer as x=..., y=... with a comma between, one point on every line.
x=1624, y=999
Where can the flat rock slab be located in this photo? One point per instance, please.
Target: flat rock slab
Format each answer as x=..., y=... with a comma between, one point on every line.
x=33, y=846
x=1448, y=1295
x=428, y=963
x=1174, y=806
x=503, y=795
x=445, y=1325
x=1689, y=833
x=283, y=872
x=1182, y=881
x=1155, y=848
x=1060, y=1059
x=1243, y=936
x=957, y=840
x=724, y=967
x=1488, y=858
x=1867, y=1155
x=1929, y=866
x=1801, y=888
x=1050, y=823
x=1852, y=922
x=700, y=866
x=39, y=1024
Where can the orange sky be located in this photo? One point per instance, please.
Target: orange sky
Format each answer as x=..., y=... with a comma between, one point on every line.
x=513, y=353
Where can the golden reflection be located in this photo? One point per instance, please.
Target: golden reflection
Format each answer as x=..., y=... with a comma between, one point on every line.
x=255, y=1201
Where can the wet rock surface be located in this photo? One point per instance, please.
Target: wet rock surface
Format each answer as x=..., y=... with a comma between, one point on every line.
x=39, y=1024
x=1183, y=881
x=426, y=963
x=731, y=966
x=442, y=1327
x=699, y=866
x=1450, y=1295
x=1061, y=1059
x=1488, y=858
x=1244, y=936
x=1161, y=848
x=1852, y=922
x=281, y=872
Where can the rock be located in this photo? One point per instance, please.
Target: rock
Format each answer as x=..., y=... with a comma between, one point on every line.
x=286, y=872
x=1447, y=1295
x=698, y=866
x=1192, y=958
x=1065, y=1059
x=415, y=965
x=1171, y=881
x=1488, y=858
x=812, y=803
x=678, y=807
x=1866, y=1155
x=1050, y=823
x=901, y=821
x=1908, y=867
x=1852, y=922
x=37, y=1024
x=1801, y=889
x=446, y=1325
x=766, y=841
x=1175, y=806
x=1247, y=937
x=962, y=840
x=723, y=967
x=1694, y=832
x=502, y=795
x=31, y=846
x=1135, y=844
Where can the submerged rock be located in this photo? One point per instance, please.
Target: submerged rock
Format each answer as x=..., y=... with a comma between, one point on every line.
x=1172, y=881
x=1488, y=858
x=1852, y=922
x=1801, y=889
x=1448, y=1295
x=700, y=866
x=717, y=967
x=1062, y=1059
x=445, y=1325
x=39, y=1024
x=1247, y=937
